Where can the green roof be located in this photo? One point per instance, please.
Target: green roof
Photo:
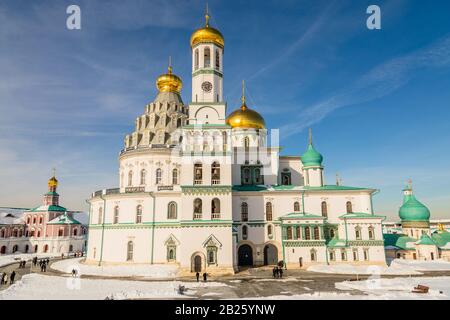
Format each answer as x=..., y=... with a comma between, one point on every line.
x=337, y=243
x=426, y=240
x=413, y=210
x=398, y=240
x=361, y=215
x=48, y=208
x=299, y=215
x=64, y=219
x=441, y=238
x=296, y=188
x=335, y=187
x=52, y=193
x=311, y=157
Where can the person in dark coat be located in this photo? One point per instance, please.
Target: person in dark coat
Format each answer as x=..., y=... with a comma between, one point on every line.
x=12, y=277
x=197, y=275
x=274, y=272
x=281, y=272
x=205, y=277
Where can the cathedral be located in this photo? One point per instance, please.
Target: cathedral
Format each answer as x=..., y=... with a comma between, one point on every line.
x=204, y=189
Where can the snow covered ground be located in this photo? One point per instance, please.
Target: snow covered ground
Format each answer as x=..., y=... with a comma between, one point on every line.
x=144, y=271
x=36, y=286
x=400, y=288
x=436, y=265
x=363, y=270
x=11, y=258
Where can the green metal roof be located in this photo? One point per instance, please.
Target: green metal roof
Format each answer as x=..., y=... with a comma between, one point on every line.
x=337, y=243
x=48, y=208
x=364, y=215
x=296, y=188
x=441, y=238
x=64, y=219
x=52, y=193
x=299, y=215
x=399, y=240
x=335, y=187
x=426, y=240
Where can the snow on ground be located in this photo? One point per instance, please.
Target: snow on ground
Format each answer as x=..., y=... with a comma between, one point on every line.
x=436, y=265
x=11, y=258
x=35, y=286
x=363, y=270
x=144, y=271
x=400, y=288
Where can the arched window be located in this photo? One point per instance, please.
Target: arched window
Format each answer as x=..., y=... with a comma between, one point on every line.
x=358, y=233
x=197, y=208
x=75, y=232
x=215, y=209
x=355, y=255
x=41, y=219
x=269, y=211
x=143, y=177
x=246, y=172
x=244, y=211
x=60, y=232
x=15, y=248
x=343, y=255
x=171, y=254
x=258, y=177
x=307, y=233
x=244, y=232
x=217, y=59
x=324, y=209
x=39, y=233
x=175, y=176
x=224, y=140
x=286, y=179
x=332, y=256
x=116, y=215
x=158, y=176
x=349, y=207
x=246, y=143
x=70, y=248
x=2, y=233
x=296, y=206
x=332, y=233
x=139, y=214
x=298, y=232
x=316, y=233
x=28, y=220
x=313, y=255
x=34, y=220
x=207, y=58
x=27, y=248
x=198, y=173
x=172, y=210
x=269, y=230
x=196, y=62
x=371, y=233
x=130, y=248
x=130, y=178
x=289, y=233
x=100, y=215
x=215, y=173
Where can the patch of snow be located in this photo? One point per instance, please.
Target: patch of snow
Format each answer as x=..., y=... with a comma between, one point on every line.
x=363, y=270
x=144, y=271
x=400, y=288
x=35, y=286
x=436, y=265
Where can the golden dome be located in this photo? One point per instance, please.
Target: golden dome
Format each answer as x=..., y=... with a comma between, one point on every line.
x=244, y=117
x=207, y=34
x=52, y=182
x=169, y=82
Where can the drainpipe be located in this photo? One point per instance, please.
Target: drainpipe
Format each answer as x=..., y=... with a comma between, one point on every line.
x=282, y=243
x=303, y=202
x=89, y=222
x=153, y=224
x=371, y=199
x=103, y=227
x=346, y=232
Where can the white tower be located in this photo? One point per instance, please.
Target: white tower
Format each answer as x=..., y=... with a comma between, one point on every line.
x=207, y=106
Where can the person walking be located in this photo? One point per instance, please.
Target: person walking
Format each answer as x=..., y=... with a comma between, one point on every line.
x=281, y=273
x=205, y=277
x=5, y=278
x=197, y=275
x=1, y=278
x=12, y=277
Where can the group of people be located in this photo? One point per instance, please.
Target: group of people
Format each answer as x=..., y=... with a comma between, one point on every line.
x=4, y=278
x=205, y=276
x=43, y=263
x=22, y=264
x=277, y=272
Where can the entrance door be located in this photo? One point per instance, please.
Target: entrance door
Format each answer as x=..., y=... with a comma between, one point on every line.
x=270, y=255
x=245, y=255
x=197, y=264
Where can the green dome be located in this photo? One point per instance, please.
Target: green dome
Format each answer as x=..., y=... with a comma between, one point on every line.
x=311, y=157
x=413, y=210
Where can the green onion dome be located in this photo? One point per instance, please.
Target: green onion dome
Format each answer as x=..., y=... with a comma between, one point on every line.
x=311, y=157
x=413, y=210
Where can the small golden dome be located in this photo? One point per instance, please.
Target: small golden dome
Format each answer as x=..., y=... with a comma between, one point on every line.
x=207, y=34
x=52, y=182
x=169, y=82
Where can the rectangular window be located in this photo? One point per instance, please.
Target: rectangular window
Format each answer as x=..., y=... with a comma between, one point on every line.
x=366, y=254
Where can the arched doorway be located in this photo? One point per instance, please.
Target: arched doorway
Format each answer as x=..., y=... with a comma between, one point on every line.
x=245, y=255
x=270, y=255
x=46, y=248
x=197, y=262
x=3, y=250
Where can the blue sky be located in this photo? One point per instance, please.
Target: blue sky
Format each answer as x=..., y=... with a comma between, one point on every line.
x=378, y=101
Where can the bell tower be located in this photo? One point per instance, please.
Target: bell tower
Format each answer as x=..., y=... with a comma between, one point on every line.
x=207, y=106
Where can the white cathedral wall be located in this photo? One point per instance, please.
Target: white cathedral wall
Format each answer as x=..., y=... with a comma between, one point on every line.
x=294, y=165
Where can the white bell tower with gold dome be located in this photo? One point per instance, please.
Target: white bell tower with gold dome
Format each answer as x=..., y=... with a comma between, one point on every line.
x=207, y=106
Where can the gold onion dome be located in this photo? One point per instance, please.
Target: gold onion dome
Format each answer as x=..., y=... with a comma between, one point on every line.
x=207, y=34
x=169, y=82
x=53, y=182
x=245, y=118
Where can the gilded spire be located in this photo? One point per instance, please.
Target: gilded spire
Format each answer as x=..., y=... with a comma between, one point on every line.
x=207, y=16
x=244, y=106
x=169, y=68
x=310, y=136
